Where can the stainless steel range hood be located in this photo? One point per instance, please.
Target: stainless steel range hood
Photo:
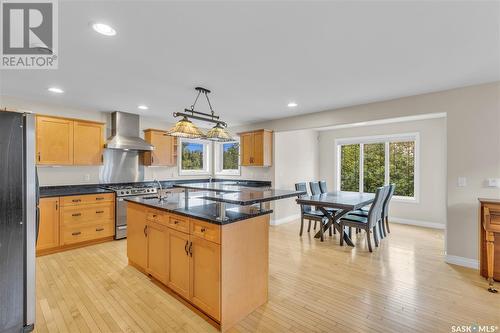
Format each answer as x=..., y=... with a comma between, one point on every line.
x=125, y=133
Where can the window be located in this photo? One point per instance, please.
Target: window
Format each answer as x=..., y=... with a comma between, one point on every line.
x=227, y=158
x=194, y=157
x=364, y=164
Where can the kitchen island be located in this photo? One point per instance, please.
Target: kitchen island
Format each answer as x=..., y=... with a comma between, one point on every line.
x=217, y=264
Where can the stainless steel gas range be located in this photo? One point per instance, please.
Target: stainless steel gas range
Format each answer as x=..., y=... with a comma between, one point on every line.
x=127, y=191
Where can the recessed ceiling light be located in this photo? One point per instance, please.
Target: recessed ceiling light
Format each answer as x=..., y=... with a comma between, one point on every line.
x=292, y=104
x=143, y=107
x=104, y=29
x=56, y=90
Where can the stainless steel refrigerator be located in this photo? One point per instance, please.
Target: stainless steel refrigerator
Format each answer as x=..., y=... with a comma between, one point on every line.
x=18, y=222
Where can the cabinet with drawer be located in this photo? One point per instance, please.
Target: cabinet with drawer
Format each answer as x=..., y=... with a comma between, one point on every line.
x=81, y=220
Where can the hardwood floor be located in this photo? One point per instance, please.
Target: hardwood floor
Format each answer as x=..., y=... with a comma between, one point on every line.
x=403, y=286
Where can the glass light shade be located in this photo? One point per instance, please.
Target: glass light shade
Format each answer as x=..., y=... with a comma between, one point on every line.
x=184, y=128
x=219, y=133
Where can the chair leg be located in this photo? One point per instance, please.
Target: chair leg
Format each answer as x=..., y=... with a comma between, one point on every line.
x=341, y=234
x=375, y=235
x=301, y=226
x=350, y=232
x=368, y=240
x=330, y=231
x=334, y=229
x=309, y=226
x=387, y=224
x=321, y=229
x=315, y=224
x=381, y=229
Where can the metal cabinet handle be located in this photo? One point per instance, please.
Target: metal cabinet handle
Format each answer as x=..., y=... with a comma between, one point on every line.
x=76, y=233
x=39, y=156
x=203, y=230
x=191, y=249
x=76, y=214
x=76, y=200
x=185, y=247
x=176, y=222
x=99, y=212
x=99, y=229
x=100, y=198
x=145, y=231
x=154, y=216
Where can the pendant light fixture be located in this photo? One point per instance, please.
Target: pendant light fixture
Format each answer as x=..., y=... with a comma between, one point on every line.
x=186, y=129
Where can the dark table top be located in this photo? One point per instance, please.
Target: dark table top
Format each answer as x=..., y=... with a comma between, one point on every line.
x=200, y=209
x=62, y=191
x=338, y=199
x=250, y=197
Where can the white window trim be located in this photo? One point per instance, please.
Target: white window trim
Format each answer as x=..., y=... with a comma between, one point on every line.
x=386, y=139
x=218, y=160
x=206, y=163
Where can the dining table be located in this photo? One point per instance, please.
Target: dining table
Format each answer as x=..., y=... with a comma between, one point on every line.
x=342, y=201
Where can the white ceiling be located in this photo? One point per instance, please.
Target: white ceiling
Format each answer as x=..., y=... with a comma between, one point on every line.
x=258, y=56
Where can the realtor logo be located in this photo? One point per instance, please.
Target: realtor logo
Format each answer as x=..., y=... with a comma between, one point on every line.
x=29, y=34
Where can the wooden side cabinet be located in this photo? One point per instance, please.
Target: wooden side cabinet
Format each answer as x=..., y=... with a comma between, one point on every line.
x=88, y=143
x=54, y=141
x=256, y=148
x=48, y=232
x=165, y=153
x=489, y=231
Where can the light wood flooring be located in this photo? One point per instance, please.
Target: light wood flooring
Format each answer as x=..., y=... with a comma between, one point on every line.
x=404, y=286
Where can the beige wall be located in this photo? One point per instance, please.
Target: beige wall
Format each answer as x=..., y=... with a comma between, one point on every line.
x=431, y=206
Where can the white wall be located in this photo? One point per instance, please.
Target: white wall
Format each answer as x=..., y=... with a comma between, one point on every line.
x=295, y=160
x=431, y=206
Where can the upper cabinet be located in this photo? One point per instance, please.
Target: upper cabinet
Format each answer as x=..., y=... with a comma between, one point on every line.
x=165, y=153
x=256, y=148
x=62, y=141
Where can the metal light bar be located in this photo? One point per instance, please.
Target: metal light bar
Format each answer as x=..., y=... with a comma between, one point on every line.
x=182, y=114
x=202, y=113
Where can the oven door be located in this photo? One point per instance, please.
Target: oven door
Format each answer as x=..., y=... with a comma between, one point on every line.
x=121, y=218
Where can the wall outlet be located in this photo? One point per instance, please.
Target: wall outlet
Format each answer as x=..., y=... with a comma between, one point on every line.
x=86, y=177
x=462, y=182
x=493, y=182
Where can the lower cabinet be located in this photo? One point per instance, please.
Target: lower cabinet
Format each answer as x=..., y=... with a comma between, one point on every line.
x=158, y=240
x=137, y=241
x=178, y=277
x=48, y=232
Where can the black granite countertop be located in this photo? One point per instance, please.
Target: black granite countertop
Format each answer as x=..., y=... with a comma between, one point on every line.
x=201, y=209
x=62, y=191
x=250, y=197
x=68, y=190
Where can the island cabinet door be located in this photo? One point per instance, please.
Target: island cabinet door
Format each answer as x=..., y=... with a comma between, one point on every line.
x=205, y=275
x=158, y=251
x=178, y=276
x=137, y=241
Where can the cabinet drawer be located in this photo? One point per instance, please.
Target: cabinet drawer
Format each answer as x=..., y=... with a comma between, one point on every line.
x=180, y=223
x=157, y=217
x=72, y=235
x=86, y=199
x=493, y=222
x=208, y=231
x=88, y=213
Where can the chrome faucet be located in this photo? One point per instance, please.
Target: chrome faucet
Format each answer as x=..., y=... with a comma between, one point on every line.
x=210, y=178
x=160, y=190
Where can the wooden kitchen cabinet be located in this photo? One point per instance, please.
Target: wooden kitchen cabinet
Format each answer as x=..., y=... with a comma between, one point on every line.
x=178, y=254
x=137, y=241
x=48, y=233
x=64, y=141
x=54, y=141
x=88, y=143
x=204, y=275
x=256, y=148
x=165, y=153
x=158, y=251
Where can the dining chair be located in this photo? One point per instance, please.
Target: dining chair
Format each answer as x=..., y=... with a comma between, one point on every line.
x=367, y=223
x=322, y=186
x=363, y=212
x=315, y=189
x=385, y=208
x=307, y=213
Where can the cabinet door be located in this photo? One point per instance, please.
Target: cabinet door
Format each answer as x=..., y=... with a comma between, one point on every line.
x=48, y=232
x=88, y=143
x=178, y=277
x=246, y=149
x=258, y=149
x=205, y=276
x=137, y=242
x=158, y=251
x=54, y=141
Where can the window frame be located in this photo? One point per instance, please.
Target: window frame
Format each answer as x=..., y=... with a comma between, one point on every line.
x=386, y=139
x=219, y=155
x=206, y=157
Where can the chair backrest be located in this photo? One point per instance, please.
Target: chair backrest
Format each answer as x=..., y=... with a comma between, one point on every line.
x=387, y=200
x=301, y=187
x=375, y=212
x=314, y=186
x=322, y=186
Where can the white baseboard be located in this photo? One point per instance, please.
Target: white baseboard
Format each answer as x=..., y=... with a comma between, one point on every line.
x=461, y=261
x=417, y=223
x=285, y=219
